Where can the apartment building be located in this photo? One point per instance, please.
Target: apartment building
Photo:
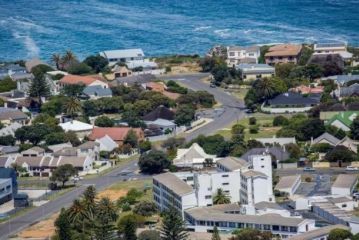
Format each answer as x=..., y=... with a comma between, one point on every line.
x=283, y=53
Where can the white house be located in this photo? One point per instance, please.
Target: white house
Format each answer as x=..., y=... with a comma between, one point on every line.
x=288, y=184
x=254, y=71
x=80, y=128
x=237, y=55
x=344, y=184
x=332, y=48
x=133, y=58
x=192, y=156
x=106, y=144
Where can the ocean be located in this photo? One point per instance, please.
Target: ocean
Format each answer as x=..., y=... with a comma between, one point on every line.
x=39, y=28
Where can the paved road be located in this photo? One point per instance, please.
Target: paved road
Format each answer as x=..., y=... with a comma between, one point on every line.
x=230, y=104
x=18, y=223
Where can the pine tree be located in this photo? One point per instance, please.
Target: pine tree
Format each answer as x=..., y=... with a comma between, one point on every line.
x=39, y=87
x=129, y=230
x=215, y=234
x=63, y=226
x=106, y=215
x=173, y=227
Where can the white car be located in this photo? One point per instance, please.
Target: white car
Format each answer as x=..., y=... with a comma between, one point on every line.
x=351, y=168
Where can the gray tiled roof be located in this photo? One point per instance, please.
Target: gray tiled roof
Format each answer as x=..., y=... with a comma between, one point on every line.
x=277, y=152
x=345, y=180
x=287, y=182
x=97, y=91
x=232, y=163
x=328, y=137
x=291, y=98
x=317, y=233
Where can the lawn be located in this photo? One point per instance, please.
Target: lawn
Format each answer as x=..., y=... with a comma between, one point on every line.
x=142, y=185
x=264, y=122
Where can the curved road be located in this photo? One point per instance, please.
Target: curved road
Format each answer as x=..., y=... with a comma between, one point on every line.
x=231, y=112
x=231, y=105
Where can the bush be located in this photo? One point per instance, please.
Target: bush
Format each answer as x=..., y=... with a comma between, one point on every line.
x=79, y=68
x=252, y=121
x=7, y=84
x=280, y=121
x=308, y=179
x=254, y=129
x=153, y=162
x=145, y=208
x=149, y=235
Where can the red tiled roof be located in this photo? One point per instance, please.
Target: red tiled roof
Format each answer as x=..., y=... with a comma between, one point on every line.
x=75, y=79
x=116, y=133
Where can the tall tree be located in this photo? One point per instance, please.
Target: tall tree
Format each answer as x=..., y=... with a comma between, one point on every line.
x=131, y=138
x=39, y=87
x=265, y=88
x=127, y=227
x=73, y=106
x=354, y=129
x=77, y=214
x=173, y=227
x=63, y=226
x=56, y=59
x=215, y=234
x=221, y=197
x=106, y=215
x=63, y=173
x=69, y=59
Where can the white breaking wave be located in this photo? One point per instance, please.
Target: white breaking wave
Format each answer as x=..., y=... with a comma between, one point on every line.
x=32, y=49
x=198, y=29
x=224, y=33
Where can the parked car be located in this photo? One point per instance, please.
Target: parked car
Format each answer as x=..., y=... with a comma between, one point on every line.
x=351, y=168
x=308, y=169
x=212, y=85
x=356, y=195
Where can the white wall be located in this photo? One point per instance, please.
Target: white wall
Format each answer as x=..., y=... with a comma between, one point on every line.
x=341, y=191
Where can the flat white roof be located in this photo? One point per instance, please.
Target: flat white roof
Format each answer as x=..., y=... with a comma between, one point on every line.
x=123, y=53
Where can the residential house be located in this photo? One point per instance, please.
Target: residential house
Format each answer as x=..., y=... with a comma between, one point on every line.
x=237, y=55
x=9, y=150
x=22, y=77
x=350, y=91
x=342, y=80
x=278, y=154
x=193, y=156
x=333, y=48
x=10, y=129
x=90, y=149
x=60, y=146
x=291, y=102
x=308, y=89
x=255, y=71
x=106, y=143
x=82, y=80
x=6, y=161
x=33, y=152
x=281, y=141
x=117, y=134
x=161, y=112
x=344, y=184
x=288, y=184
x=134, y=58
x=80, y=128
x=96, y=92
x=134, y=80
x=283, y=53
x=164, y=125
x=10, y=70
x=10, y=115
x=343, y=120
x=325, y=138
x=121, y=71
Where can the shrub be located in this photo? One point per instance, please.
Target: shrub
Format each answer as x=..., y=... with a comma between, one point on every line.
x=253, y=129
x=308, y=179
x=280, y=121
x=252, y=121
x=149, y=235
x=145, y=208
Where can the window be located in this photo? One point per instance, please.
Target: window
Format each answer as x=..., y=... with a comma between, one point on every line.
x=208, y=197
x=226, y=175
x=344, y=205
x=293, y=229
x=284, y=228
x=276, y=228
x=232, y=54
x=225, y=183
x=231, y=225
x=266, y=227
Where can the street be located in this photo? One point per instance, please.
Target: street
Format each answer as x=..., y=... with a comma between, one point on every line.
x=18, y=223
x=230, y=109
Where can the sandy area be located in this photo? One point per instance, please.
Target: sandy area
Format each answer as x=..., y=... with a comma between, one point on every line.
x=41, y=230
x=113, y=195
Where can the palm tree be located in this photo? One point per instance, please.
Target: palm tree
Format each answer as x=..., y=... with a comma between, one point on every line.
x=68, y=59
x=73, y=106
x=221, y=197
x=265, y=88
x=78, y=214
x=56, y=59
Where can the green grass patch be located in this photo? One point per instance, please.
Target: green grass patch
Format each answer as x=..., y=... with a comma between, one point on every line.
x=142, y=185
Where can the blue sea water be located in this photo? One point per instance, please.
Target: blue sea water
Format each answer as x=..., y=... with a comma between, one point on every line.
x=30, y=28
